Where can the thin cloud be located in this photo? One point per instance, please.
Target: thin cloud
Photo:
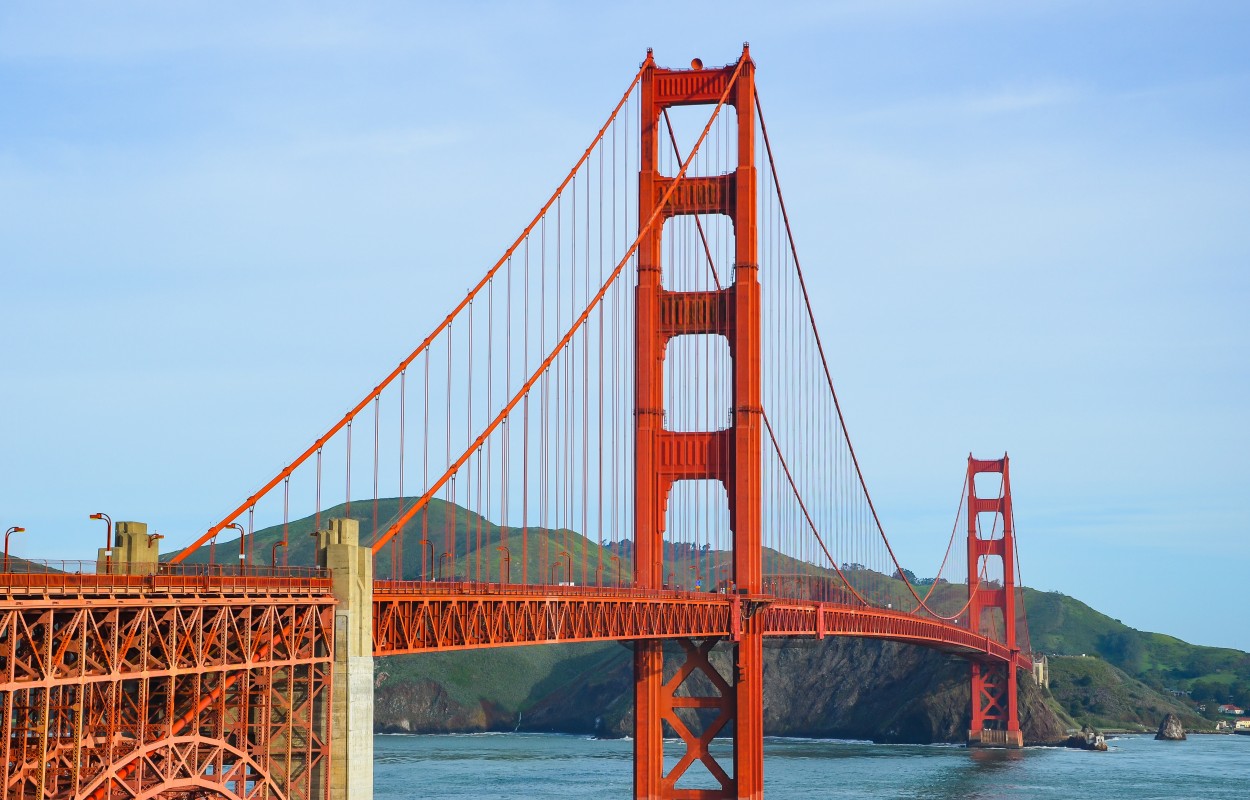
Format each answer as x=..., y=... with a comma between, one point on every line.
x=397, y=142
x=951, y=108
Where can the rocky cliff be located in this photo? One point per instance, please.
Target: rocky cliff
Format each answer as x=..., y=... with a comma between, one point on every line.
x=840, y=688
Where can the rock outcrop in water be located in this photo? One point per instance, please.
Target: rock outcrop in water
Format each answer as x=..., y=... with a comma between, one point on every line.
x=1087, y=739
x=838, y=687
x=1171, y=729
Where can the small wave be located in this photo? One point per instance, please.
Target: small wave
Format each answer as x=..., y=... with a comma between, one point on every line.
x=815, y=739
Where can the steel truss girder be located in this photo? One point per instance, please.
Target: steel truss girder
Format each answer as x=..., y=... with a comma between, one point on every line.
x=422, y=619
x=417, y=622
x=122, y=697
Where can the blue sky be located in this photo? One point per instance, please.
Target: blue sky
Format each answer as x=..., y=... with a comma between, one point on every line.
x=1025, y=226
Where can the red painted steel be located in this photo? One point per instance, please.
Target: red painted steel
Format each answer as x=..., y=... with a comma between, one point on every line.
x=412, y=617
x=993, y=684
x=732, y=456
x=78, y=578
x=415, y=616
x=161, y=692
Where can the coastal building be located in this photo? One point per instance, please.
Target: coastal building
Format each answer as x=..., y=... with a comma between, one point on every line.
x=1231, y=710
x=1041, y=671
x=1242, y=725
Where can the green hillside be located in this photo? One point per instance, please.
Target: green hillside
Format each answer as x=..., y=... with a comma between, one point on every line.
x=1061, y=625
x=518, y=674
x=449, y=529
x=1094, y=692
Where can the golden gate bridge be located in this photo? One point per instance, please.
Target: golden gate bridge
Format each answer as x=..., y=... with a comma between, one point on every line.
x=626, y=430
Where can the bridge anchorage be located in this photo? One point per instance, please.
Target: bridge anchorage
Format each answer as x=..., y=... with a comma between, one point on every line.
x=722, y=505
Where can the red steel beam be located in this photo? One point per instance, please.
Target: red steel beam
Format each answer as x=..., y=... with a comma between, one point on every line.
x=147, y=692
x=411, y=617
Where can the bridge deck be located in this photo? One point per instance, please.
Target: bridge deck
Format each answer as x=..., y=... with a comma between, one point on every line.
x=413, y=617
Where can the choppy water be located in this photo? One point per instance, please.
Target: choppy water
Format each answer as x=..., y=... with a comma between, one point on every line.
x=552, y=766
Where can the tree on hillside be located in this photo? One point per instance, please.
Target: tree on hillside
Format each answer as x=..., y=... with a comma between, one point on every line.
x=900, y=573
x=1124, y=649
x=1239, y=693
x=1206, y=692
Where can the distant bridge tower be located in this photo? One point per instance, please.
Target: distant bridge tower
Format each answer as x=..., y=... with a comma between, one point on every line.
x=732, y=456
x=995, y=720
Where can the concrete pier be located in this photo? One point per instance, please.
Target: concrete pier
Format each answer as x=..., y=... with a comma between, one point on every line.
x=351, y=718
x=1012, y=740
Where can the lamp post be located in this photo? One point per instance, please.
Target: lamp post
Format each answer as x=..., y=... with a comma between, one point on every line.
x=505, y=565
x=9, y=532
x=273, y=554
x=242, y=544
x=108, y=541
x=617, y=560
x=568, y=559
x=443, y=558
x=426, y=545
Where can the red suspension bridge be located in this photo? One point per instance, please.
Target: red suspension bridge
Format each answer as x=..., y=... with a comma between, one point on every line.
x=501, y=486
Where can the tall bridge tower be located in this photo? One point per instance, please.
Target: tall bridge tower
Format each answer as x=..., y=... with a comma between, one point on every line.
x=995, y=718
x=731, y=456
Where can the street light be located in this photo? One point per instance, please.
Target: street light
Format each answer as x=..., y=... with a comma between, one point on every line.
x=153, y=538
x=569, y=560
x=443, y=558
x=505, y=565
x=426, y=545
x=273, y=552
x=242, y=544
x=108, y=542
x=212, y=553
x=14, y=529
x=617, y=561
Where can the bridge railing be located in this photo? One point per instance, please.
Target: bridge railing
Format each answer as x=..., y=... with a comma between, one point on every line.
x=69, y=577
x=440, y=587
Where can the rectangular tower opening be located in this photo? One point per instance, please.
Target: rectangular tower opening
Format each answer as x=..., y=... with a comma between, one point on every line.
x=698, y=389
x=717, y=155
x=697, y=253
x=988, y=484
x=989, y=525
x=698, y=545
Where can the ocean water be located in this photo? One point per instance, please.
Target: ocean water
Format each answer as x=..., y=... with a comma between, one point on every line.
x=516, y=765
